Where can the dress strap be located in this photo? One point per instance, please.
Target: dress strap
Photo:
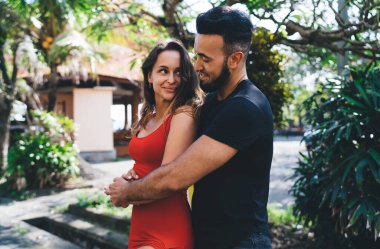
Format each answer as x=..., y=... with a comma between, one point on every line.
x=167, y=123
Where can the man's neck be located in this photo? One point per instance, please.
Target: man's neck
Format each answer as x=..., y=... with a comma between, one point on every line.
x=233, y=82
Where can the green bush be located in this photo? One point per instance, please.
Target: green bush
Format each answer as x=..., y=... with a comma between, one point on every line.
x=279, y=216
x=264, y=68
x=43, y=156
x=338, y=179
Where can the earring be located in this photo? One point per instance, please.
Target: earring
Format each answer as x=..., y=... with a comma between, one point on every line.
x=150, y=86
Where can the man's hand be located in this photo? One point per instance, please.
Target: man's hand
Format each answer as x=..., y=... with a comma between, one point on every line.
x=117, y=192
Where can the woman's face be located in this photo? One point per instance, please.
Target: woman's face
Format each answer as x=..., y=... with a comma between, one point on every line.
x=165, y=76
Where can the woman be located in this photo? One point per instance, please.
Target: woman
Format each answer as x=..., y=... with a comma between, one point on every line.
x=167, y=127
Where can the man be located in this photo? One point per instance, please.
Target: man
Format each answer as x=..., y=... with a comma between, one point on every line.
x=230, y=161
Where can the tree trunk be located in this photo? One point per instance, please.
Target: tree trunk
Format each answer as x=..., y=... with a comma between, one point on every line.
x=52, y=83
x=5, y=110
x=6, y=102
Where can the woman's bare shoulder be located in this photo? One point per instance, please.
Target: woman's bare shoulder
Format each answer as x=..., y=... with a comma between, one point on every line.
x=184, y=110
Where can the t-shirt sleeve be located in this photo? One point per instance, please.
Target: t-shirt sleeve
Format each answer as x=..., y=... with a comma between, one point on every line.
x=238, y=124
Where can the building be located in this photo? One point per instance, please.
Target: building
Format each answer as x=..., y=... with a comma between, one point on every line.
x=88, y=103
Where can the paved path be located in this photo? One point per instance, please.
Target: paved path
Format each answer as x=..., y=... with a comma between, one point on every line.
x=13, y=212
x=285, y=159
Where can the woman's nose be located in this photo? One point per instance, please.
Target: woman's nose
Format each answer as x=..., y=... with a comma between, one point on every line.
x=171, y=78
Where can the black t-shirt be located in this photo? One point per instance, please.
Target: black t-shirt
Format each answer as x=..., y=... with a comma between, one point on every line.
x=230, y=203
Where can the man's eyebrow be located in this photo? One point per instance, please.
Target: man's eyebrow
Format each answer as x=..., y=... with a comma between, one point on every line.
x=203, y=55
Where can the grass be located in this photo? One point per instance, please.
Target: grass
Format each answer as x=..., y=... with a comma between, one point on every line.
x=20, y=229
x=279, y=216
x=101, y=203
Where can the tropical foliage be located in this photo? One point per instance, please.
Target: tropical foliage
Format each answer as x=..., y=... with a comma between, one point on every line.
x=44, y=156
x=264, y=67
x=338, y=179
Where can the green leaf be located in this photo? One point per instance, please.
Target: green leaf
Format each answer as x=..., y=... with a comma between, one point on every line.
x=359, y=173
x=359, y=129
x=339, y=134
x=375, y=155
x=352, y=202
x=348, y=132
x=377, y=225
x=362, y=92
x=374, y=92
x=353, y=101
x=375, y=170
x=334, y=195
x=359, y=211
x=352, y=160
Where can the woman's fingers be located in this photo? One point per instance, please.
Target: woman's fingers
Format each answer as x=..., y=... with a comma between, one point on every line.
x=131, y=175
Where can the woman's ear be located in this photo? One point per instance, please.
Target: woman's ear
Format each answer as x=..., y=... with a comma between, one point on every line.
x=150, y=80
x=234, y=59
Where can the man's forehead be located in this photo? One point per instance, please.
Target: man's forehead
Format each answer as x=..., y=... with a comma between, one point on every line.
x=213, y=42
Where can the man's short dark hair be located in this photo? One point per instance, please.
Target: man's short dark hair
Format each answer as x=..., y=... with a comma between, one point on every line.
x=233, y=25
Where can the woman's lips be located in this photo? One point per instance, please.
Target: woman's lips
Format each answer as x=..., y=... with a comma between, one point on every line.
x=169, y=89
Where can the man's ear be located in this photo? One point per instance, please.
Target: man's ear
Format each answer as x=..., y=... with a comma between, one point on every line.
x=235, y=59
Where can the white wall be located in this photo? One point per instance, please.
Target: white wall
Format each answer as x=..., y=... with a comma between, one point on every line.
x=92, y=113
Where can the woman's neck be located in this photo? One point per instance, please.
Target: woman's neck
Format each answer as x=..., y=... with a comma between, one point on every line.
x=161, y=109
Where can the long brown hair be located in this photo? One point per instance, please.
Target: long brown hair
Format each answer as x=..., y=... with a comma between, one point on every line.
x=189, y=92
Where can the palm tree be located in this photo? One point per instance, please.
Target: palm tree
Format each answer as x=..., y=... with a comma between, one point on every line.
x=50, y=26
x=48, y=21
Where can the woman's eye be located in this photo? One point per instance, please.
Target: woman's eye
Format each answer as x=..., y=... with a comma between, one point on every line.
x=163, y=71
x=178, y=73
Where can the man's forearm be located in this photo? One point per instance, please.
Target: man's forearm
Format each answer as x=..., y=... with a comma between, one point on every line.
x=156, y=185
x=192, y=165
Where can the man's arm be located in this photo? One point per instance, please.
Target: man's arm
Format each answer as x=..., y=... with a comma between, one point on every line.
x=202, y=157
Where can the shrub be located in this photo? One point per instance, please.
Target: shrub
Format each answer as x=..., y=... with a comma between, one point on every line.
x=43, y=156
x=338, y=179
x=279, y=216
x=264, y=68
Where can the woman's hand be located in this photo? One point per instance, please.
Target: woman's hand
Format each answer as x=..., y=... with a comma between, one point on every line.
x=130, y=175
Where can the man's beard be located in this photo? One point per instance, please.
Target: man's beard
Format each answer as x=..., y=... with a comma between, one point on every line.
x=219, y=82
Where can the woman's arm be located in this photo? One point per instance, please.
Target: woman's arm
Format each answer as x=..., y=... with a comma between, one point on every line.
x=181, y=135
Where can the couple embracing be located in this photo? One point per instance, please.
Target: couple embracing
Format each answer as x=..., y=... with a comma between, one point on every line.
x=222, y=144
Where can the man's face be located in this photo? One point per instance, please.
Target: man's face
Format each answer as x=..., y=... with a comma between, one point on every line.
x=211, y=63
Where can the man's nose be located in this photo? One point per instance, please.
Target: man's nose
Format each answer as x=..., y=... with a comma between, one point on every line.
x=197, y=65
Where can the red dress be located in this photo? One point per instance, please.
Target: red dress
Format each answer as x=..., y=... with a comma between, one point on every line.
x=164, y=223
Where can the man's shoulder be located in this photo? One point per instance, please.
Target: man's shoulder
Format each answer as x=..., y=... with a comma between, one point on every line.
x=251, y=94
x=248, y=90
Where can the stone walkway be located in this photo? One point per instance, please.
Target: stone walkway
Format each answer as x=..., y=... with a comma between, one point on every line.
x=16, y=234
x=285, y=159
